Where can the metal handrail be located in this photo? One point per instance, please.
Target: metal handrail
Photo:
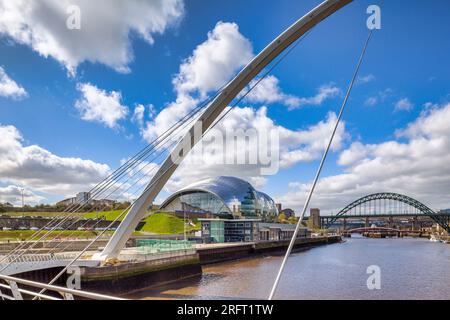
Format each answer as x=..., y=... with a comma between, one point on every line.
x=62, y=290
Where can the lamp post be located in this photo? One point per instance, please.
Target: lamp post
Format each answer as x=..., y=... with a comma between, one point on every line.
x=22, y=190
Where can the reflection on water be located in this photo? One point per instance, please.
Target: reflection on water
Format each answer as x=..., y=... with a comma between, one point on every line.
x=410, y=269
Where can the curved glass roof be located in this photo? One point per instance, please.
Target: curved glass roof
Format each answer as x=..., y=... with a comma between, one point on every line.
x=231, y=191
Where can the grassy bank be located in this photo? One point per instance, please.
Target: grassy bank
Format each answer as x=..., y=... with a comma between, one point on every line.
x=166, y=223
x=158, y=223
x=40, y=214
x=19, y=235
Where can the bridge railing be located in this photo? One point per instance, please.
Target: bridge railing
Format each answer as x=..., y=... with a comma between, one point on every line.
x=11, y=285
x=39, y=257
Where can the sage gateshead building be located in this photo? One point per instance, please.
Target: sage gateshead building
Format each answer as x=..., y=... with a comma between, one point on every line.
x=221, y=197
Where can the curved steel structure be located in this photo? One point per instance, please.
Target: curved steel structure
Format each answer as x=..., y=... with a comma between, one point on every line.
x=423, y=209
x=220, y=194
x=228, y=93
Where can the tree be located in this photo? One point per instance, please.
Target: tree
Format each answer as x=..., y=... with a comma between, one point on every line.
x=281, y=218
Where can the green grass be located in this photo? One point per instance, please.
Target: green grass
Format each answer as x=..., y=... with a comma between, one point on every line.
x=159, y=223
x=166, y=223
x=26, y=234
x=38, y=214
x=109, y=215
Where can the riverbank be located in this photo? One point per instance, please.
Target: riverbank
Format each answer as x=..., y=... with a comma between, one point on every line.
x=128, y=277
x=411, y=268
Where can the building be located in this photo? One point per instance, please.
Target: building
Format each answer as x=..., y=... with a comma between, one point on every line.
x=221, y=197
x=229, y=230
x=247, y=230
x=66, y=202
x=280, y=231
x=278, y=207
x=314, y=216
x=288, y=213
x=83, y=197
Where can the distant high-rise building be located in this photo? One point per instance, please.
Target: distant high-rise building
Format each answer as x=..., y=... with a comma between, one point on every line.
x=278, y=207
x=83, y=197
x=314, y=215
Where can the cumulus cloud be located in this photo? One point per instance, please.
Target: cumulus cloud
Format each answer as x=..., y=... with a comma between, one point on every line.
x=39, y=169
x=9, y=88
x=403, y=105
x=324, y=92
x=371, y=101
x=210, y=66
x=13, y=194
x=365, y=79
x=268, y=91
x=138, y=115
x=418, y=167
x=214, y=61
x=211, y=157
x=105, y=31
x=97, y=105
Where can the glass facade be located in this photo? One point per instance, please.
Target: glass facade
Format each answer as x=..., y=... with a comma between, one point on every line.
x=222, y=196
x=217, y=231
x=160, y=246
x=202, y=201
x=229, y=230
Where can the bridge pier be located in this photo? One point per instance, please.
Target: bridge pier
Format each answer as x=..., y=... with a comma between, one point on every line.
x=391, y=222
x=414, y=224
x=367, y=224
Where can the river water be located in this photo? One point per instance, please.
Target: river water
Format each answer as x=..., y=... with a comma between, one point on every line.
x=409, y=269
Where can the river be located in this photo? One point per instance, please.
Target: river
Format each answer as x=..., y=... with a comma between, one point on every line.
x=410, y=268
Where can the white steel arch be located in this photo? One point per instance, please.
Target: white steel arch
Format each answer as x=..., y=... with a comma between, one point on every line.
x=228, y=93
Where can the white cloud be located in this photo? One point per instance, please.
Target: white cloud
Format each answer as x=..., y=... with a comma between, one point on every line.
x=419, y=167
x=210, y=66
x=100, y=106
x=366, y=79
x=403, y=105
x=371, y=101
x=105, y=31
x=214, y=61
x=13, y=195
x=323, y=93
x=9, y=88
x=138, y=115
x=295, y=146
x=39, y=169
x=379, y=97
x=269, y=91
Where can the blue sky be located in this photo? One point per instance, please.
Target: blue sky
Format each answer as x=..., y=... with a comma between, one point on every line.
x=406, y=66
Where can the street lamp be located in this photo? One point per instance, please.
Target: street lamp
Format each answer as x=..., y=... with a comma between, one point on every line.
x=22, y=190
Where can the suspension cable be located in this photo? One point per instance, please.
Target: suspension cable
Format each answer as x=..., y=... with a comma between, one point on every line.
x=316, y=178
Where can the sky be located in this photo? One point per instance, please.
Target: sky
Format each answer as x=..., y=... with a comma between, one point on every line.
x=75, y=103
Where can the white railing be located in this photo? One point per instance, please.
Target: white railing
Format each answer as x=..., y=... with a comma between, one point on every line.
x=11, y=284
